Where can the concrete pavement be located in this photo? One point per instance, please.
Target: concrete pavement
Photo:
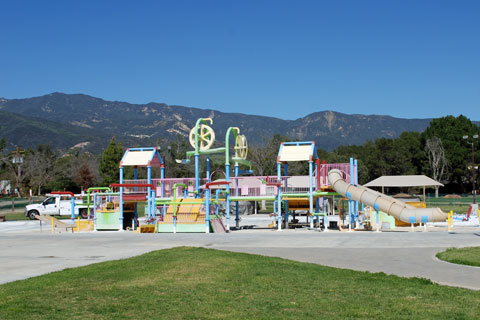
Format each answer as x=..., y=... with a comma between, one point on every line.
x=27, y=252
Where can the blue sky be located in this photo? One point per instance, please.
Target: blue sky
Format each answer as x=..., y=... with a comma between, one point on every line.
x=412, y=59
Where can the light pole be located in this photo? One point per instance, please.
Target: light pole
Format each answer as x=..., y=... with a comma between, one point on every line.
x=475, y=137
x=17, y=160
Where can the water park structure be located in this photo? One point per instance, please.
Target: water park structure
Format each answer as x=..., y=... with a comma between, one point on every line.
x=204, y=204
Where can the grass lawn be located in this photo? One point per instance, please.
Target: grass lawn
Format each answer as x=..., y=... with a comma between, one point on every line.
x=469, y=256
x=12, y=216
x=458, y=205
x=20, y=215
x=198, y=283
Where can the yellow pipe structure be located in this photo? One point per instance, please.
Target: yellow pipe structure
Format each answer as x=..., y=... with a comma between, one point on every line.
x=450, y=221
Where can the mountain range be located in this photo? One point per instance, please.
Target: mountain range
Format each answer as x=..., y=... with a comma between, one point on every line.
x=68, y=120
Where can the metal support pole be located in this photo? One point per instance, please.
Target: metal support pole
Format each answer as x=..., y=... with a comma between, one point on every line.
x=207, y=212
x=175, y=186
x=94, y=212
x=473, y=172
x=317, y=187
x=73, y=210
x=279, y=208
x=474, y=137
x=279, y=197
x=208, y=169
x=217, y=193
x=375, y=206
x=351, y=207
x=450, y=221
x=357, y=218
x=121, y=199
x=310, y=191
x=237, y=216
x=350, y=220
x=207, y=198
x=227, y=197
x=197, y=176
x=151, y=212
x=162, y=176
x=349, y=196
x=325, y=217
x=285, y=173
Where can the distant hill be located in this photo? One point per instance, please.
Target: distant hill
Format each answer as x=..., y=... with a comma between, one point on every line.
x=65, y=120
x=30, y=131
x=331, y=129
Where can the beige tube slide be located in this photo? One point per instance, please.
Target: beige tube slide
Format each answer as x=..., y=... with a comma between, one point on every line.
x=389, y=205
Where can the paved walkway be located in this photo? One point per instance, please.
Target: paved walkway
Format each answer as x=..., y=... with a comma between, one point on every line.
x=30, y=253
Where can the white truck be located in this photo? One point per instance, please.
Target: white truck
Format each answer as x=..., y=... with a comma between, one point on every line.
x=58, y=205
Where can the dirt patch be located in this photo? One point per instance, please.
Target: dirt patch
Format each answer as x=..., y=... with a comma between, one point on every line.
x=453, y=196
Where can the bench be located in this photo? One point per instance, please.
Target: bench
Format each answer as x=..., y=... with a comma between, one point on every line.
x=56, y=223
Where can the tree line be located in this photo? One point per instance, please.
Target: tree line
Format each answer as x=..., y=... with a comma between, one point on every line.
x=43, y=169
x=440, y=152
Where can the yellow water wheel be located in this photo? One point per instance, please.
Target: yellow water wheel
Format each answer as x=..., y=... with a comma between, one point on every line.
x=241, y=147
x=206, y=137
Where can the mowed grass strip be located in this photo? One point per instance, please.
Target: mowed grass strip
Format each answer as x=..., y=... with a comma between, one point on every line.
x=198, y=283
x=14, y=216
x=468, y=256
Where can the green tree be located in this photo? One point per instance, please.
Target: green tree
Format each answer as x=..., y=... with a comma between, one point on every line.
x=450, y=130
x=406, y=155
x=176, y=150
x=401, y=156
x=3, y=158
x=110, y=161
x=409, y=145
x=364, y=154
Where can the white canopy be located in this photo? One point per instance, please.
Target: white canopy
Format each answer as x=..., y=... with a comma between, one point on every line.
x=290, y=153
x=141, y=157
x=403, y=181
x=138, y=158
